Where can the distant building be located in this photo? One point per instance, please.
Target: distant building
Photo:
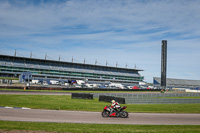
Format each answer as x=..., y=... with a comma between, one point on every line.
x=13, y=66
x=178, y=82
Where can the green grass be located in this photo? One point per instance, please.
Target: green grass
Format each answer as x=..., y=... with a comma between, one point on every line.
x=51, y=102
x=9, y=78
x=97, y=128
x=164, y=108
x=63, y=102
x=179, y=97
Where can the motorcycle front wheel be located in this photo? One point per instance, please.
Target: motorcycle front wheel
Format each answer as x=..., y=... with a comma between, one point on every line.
x=105, y=114
x=124, y=114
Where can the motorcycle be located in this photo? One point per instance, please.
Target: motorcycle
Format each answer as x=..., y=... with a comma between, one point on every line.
x=118, y=112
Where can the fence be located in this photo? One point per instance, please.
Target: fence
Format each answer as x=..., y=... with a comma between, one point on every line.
x=154, y=98
x=160, y=100
x=147, y=95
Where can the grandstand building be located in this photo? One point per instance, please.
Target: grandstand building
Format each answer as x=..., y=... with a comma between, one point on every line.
x=178, y=82
x=13, y=66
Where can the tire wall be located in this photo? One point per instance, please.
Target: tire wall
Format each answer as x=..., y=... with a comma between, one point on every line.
x=82, y=96
x=110, y=98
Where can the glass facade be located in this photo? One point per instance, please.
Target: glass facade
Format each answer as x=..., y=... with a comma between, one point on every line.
x=68, y=70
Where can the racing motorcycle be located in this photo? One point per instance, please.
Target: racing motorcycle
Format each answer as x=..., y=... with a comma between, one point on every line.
x=118, y=112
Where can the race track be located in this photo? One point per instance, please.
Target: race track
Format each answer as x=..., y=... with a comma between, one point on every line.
x=37, y=115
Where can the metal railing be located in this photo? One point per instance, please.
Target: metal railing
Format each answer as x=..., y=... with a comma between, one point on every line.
x=160, y=100
x=148, y=95
x=151, y=98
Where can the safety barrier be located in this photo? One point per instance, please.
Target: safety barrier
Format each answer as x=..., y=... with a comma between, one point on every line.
x=161, y=100
x=110, y=98
x=82, y=96
x=151, y=98
x=73, y=89
x=147, y=95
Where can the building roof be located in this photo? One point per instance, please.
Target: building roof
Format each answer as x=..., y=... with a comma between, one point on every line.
x=26, y=59
x=178, y=82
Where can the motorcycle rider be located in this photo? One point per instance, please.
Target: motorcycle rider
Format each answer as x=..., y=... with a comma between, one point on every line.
x=114, y=106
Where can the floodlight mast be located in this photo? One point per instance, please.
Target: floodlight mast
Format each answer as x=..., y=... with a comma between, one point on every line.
x=163, y=64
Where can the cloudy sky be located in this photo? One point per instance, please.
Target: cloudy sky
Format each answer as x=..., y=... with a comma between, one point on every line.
x=117, y=31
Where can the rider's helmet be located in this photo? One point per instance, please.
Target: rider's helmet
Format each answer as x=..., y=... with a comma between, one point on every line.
x=113, y=101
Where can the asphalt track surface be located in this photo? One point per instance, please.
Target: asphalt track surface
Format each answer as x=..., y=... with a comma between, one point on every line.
x=60, y=116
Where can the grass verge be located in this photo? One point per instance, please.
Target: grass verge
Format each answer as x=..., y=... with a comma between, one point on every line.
x=9, y=78
x=179, y=97
x=97, y=128
x=63, y=102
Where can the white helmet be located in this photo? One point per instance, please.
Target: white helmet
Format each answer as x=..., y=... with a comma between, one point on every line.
x=113, y=101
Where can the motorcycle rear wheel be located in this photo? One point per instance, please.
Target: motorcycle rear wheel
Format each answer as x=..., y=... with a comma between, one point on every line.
x=105, y=114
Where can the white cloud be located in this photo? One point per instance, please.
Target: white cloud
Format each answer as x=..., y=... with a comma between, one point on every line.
x=118, y=31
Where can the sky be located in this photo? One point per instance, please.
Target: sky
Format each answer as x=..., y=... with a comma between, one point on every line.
x=123, y=32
